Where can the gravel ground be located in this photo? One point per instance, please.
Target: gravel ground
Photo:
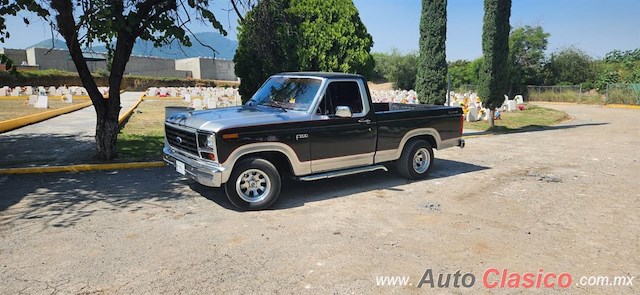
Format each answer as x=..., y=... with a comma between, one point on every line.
x=564, y=199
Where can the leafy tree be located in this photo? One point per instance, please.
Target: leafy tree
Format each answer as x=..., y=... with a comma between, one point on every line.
x=620, y=56
x=331, y=36
x=266, y=44
x=526, y=56
x=431, y=83
x=313, y=35
x=398, y=68
x=569, y=66
x=465, y=72
x=118, y=24
x=495, y=48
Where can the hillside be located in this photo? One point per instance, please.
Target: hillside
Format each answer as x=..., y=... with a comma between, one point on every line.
x=225, y=48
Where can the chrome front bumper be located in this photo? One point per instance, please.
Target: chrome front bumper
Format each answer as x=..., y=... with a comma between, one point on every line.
x=204, y=173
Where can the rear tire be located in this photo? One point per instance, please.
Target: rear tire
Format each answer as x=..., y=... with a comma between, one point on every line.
x=416, y=160
x=254, y=184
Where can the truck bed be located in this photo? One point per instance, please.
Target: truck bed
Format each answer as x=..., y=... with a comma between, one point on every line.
x=396, y=119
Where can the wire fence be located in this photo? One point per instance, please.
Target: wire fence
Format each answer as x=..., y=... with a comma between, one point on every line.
x=613, y=94
x=623, y=94
x=563, y=93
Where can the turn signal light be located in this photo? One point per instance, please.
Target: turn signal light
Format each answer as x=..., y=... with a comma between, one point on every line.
x=209, y=156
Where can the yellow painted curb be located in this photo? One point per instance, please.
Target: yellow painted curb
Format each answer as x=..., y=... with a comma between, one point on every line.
x=128, y=113
x=35, y=118
x=82, y=168
x=623, y=106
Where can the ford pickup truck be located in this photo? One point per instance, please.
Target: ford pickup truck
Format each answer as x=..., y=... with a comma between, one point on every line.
x=307, y=126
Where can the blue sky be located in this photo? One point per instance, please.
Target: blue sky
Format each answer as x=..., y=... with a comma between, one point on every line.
x=595, y=26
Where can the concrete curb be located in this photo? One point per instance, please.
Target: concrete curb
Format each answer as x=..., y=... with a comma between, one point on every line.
x=11, y=124
x=124, y=116
x=81, y=168
x=623, y=106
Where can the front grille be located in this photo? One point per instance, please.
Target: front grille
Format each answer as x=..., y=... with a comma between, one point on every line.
x=186, y=141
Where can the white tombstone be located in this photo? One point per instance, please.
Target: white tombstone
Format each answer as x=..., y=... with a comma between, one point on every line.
x=3, y=92
x=59, y=92
x=51, y=90
x=173, y=92
x=28, y=90
x=473, y=115
x=196, y=104
x=33, y=99
x=487, y=113
x=519, y=99
x=42, y=102
x=68, y=98
x=455, y=103
x=212, y=103
x=187, y=97
x=152, y=91
x=511, y=105
x=16, y=91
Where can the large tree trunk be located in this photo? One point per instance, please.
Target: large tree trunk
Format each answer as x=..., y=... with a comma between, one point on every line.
x=492, y=115
x=107, y=110
x=107, y=132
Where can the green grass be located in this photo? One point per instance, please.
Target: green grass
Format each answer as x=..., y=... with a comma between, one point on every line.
x=532, y=116
x=142, y=137
x=15, y=108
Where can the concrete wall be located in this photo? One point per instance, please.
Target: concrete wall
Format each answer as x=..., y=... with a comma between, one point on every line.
x=18, y=56
x=197, y=68
x=190, y=64
x=208, y=68
x=217, y=69
x=50, y=59
x=142, y=64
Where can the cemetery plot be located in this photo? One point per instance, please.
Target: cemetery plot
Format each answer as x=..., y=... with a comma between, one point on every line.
x=12, y=109
x=198, y=97
x=530, y=116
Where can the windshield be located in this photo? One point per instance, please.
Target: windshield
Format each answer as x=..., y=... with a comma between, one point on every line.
x=287, y=93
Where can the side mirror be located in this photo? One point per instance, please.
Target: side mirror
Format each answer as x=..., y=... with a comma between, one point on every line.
x=343, y=112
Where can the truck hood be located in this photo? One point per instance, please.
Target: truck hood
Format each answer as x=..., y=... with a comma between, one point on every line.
x=233, y=117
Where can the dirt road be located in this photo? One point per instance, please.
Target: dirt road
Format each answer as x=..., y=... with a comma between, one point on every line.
x=565, y=200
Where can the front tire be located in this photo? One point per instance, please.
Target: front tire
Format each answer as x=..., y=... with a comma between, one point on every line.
x=254, y=184
x=416, y=160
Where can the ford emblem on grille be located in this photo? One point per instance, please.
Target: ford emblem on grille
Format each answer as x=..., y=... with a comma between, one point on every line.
x=178, y=139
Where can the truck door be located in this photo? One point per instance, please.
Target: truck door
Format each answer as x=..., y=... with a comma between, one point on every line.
x=338, y=142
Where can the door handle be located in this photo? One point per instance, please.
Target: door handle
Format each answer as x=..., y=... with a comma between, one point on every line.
x=366, y=121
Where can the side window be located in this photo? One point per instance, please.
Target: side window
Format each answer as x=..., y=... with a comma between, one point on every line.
x=345, y=93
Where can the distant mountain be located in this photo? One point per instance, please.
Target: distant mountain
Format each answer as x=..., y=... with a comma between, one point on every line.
x=57, y=44
x=225, y=48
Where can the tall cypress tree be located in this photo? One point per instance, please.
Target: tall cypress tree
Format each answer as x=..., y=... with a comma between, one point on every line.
x=431, y=82
x=494, y=75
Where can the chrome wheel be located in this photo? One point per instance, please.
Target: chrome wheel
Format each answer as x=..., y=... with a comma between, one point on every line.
x=421, y=160
x=253, y=185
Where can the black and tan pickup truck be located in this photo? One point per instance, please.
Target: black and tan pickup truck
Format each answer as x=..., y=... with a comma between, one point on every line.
x=307, y=126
